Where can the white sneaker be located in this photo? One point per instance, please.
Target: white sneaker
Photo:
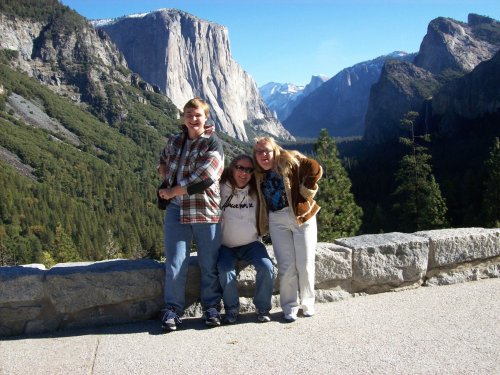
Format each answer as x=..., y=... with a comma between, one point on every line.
x=307, y=311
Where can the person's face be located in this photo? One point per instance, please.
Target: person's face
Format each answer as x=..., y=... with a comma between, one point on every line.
x=242, y=172
x=264, y=155
x=194, y=119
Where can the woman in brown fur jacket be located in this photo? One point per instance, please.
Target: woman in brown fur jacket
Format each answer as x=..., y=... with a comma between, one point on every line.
x=286, y=185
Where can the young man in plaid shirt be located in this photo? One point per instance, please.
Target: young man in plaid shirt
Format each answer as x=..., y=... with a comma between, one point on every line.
x=191, y=165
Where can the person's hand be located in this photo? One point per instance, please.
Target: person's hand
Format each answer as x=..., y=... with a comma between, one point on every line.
x=209, y=128
x=165, y=194
x=172, y=192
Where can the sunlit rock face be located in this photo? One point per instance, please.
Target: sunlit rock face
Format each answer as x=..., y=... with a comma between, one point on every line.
x=186, y=57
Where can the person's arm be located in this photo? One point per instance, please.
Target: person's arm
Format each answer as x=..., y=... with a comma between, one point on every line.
x=310, y=172
x=164, y=164
x=172, y=192
x=162, y=170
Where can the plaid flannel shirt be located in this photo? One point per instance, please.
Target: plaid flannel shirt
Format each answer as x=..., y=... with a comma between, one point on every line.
x=201, y=173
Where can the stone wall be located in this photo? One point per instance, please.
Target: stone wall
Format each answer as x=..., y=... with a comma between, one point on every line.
x=35, y=300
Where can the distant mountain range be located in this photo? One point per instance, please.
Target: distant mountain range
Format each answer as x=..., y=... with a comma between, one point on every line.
x=282, y=98
x=370, y=98
x=340, y=104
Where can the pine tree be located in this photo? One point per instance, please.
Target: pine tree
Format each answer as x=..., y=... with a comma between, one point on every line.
x=419, y=204
x=491, y=195
x=339, y=216
x=64, y=248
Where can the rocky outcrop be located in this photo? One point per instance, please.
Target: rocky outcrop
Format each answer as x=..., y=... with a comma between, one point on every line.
x=33, y=114
x=34, y=300
x=454, y=45
x=186, y=57
x=340, y=104
x=71, y=62
x=18, y=35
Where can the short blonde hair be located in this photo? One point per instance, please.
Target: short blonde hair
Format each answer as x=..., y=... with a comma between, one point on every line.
x=197, y=102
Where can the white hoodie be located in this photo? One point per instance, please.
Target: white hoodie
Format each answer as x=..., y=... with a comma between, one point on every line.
x=239, y=220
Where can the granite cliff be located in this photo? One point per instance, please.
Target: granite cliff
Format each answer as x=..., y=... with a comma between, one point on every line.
x=450, y=50
x=402, y=87
x=470, y=103
x=459, y=46
x=66, y=54
x=187, y=56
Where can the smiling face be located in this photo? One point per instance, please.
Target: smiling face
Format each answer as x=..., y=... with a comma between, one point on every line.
x=264, y=155
x=242, y=172
x=194, y=119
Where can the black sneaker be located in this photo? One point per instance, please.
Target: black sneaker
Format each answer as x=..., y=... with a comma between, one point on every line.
x=231, y=317
x=169, y=321
x=212, y=317
x=264, y=317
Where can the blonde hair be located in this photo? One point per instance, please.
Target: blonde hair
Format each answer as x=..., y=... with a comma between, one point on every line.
x=197, y=103
x=284, y=160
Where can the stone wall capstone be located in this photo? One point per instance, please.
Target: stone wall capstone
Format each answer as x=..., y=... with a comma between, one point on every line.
x=35, y=300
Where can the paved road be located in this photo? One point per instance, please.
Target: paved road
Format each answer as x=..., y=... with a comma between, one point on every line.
x=440, y=330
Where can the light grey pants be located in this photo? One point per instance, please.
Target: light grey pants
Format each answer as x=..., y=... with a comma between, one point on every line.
x=295, y=248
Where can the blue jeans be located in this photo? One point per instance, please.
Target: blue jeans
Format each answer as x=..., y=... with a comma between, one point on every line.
x=178, y=239
x=254, y=253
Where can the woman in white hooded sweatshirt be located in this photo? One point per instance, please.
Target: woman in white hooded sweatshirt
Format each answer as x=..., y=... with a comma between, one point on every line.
x=241, y=240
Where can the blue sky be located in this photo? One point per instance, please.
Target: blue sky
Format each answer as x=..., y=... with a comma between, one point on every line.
x=288, y=41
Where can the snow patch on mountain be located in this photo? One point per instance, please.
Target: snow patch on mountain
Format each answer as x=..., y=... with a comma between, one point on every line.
x=282, y=98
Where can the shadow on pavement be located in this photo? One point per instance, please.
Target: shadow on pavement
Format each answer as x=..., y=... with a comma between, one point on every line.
x=152, y=327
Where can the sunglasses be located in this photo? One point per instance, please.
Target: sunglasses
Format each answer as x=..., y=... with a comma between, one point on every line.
x=243, y=169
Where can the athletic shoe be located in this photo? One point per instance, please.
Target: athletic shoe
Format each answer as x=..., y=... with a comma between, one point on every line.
x=307, y=312
x=212, y=317
x=170, y=320
x=263, y=317
x=231, y=317
x=289, y=318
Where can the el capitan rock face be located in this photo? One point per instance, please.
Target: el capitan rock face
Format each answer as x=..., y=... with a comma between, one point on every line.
x=186, y=57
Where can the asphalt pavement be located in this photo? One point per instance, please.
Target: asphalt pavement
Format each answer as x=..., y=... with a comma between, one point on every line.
x=430, y=330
